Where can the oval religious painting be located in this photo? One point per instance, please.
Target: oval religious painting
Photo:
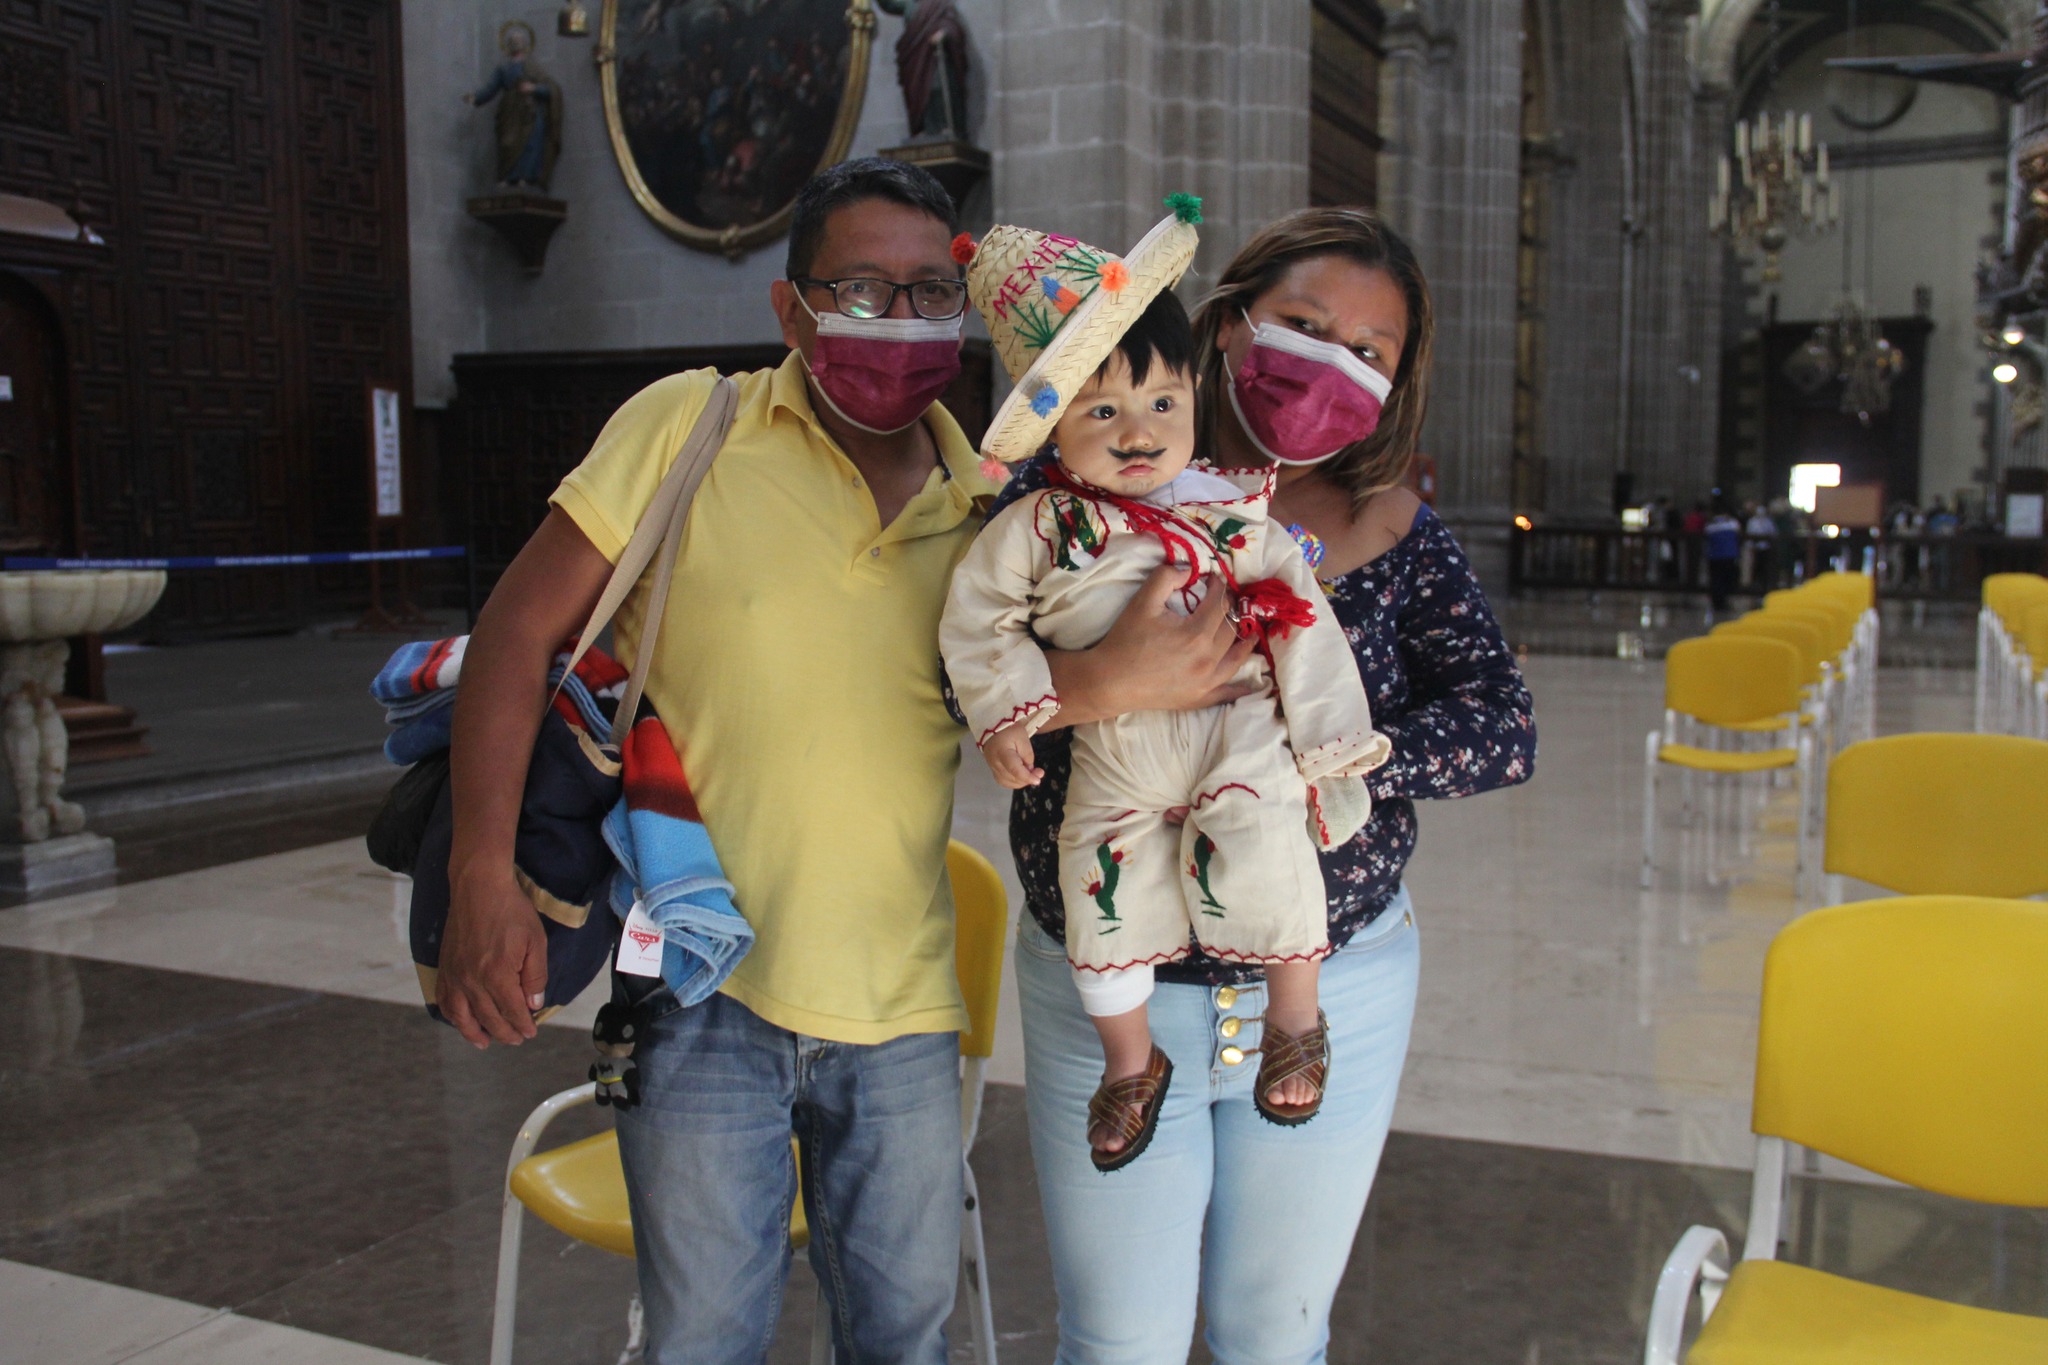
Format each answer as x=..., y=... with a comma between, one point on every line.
x=720, y=109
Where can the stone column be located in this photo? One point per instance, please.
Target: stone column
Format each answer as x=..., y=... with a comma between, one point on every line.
x=1586, y=92
x=1102, y=109
x=1411, y=78
x=1704, y=342
x=1663, y=391
x=2008, y=447
x=1450, y=177
x=1231, y=118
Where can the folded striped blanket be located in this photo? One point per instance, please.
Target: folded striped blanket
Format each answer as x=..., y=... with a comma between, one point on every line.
x=418, y=686
x=419, y=668
x=668, y=867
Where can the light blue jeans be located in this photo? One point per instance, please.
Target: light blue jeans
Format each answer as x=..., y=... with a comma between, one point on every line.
x=1253, y=1219
x=710, y=1181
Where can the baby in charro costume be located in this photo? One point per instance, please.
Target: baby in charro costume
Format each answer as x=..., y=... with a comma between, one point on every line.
x=1103, y=356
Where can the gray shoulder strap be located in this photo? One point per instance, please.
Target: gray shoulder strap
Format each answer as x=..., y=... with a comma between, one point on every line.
x=656, y=539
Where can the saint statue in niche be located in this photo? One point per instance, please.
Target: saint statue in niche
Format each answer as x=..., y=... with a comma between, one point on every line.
x=529, y=111
x=931, y=66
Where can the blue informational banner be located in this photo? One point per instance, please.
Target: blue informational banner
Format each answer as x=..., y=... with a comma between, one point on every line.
x=238, y=561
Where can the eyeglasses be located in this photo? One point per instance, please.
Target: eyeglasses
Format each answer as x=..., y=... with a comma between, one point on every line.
x=859, y=297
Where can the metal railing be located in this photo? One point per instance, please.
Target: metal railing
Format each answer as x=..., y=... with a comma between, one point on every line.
x=1610, y=559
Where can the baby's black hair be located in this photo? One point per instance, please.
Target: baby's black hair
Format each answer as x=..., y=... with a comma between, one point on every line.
x=1162, y=333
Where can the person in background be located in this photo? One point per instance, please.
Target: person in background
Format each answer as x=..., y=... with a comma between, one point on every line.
x=1763, y=561
x=1942, y=525
x=1665, y=523
x=1724, y=555
x=1903, y=560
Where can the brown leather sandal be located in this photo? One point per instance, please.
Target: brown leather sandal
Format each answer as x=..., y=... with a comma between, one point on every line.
x=1282, y=1057
x=1112, y=1105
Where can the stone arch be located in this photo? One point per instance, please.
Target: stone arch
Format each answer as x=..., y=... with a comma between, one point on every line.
x=1720, y=35
x=1722, y=23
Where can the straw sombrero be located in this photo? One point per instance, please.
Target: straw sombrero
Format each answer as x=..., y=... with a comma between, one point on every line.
x=1056, y=307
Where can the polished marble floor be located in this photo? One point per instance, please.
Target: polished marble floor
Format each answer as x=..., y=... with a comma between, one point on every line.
x=222, y=1113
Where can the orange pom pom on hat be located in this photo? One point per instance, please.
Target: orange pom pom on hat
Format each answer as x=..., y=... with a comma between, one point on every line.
x=1055, y=308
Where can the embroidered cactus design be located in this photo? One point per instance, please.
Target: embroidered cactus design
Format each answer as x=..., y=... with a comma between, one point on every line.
x=1102, y=886
x=1082, y=264
x=1198, y=868
x=1036, y=326
x=1077, y=531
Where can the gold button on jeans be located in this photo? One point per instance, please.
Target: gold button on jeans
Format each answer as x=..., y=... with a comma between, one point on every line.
x=1232, y=1055
x=1231, y=1026
x=1226, y=997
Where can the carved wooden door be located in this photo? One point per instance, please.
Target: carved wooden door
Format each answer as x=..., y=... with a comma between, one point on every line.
x=245, y=160
x=33, y=468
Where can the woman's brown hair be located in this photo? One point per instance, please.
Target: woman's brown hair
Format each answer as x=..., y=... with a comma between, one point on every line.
x=1381, y=460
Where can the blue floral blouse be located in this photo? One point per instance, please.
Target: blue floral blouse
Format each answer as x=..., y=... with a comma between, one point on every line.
x=1444, y=688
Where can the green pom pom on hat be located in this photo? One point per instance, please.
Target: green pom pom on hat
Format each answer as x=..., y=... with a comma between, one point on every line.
x=1186, y=207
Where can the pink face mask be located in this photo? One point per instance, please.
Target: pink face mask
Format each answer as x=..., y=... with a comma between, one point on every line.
x=1301, y=400
x=881, y=374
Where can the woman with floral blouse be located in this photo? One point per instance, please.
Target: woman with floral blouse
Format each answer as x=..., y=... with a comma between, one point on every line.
x=1253, y=1221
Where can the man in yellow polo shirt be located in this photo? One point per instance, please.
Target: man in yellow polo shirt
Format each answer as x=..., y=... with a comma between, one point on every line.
x=798, y=672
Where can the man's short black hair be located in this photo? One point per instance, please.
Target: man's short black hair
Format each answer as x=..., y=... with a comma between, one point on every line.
x=1162, y=333
x=850, y=182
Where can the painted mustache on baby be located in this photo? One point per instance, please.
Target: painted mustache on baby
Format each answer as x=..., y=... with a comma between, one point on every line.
x=1136, y=454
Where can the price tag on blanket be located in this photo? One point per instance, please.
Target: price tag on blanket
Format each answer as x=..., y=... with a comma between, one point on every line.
x=640, y=946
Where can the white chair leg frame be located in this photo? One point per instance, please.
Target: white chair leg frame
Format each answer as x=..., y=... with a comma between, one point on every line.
x=511, y=1225
x=1979, y=716
x=973, y=1249
x=1699, y=1263
x=1651, y=744
x=1802, y=838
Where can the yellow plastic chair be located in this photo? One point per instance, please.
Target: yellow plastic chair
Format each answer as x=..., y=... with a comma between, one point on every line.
x=1939, y=814
x=1804, y=636
x=1859, y=592
x=1849, y=680
x=580, y=1190
x=1726, y=681
x=2006, y=596
x=1908, y=1037
x=1859, y=588
x=1815, y=679
x=2032, y=638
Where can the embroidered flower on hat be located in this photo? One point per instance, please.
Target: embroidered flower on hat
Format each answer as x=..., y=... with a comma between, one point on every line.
x=1044, y=401
x=1061, y=297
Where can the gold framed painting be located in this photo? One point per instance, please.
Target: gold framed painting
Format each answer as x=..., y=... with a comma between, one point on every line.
x=719, y=110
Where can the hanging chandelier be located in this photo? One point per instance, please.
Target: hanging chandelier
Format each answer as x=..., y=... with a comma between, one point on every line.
x=1851, y=347
x=1774, y=187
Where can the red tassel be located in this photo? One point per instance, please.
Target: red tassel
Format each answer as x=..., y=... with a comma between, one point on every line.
x=1272, y=608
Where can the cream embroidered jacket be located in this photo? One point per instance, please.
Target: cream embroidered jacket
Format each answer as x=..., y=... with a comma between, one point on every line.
x=1055, y=569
